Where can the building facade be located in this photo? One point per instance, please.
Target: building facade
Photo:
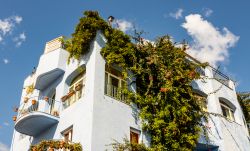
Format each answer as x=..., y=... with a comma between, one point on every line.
x=81, y=102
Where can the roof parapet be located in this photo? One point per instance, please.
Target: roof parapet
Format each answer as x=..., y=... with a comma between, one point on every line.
x=53, y=45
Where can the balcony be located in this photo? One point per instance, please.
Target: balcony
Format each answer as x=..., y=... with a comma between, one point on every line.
x=37, y=115
x=115, y=92
x=221, y=77
x=51, y=64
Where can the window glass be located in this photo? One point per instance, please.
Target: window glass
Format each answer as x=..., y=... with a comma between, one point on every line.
x=114, y=83
x=227, y=111
x=75, y=91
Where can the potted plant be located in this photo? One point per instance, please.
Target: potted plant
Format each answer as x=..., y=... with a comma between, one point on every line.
x=78, y=87
x=14, y=118
x=64, y=98
x=33, y=102
x=71, y=92
x=46, y=98
x=55, y=113
x=25, y=99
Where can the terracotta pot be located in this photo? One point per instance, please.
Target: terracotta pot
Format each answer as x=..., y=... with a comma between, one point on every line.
x=46, y=98
x=14, y=118
x=64, y=98
x=55, y=113
x=33, y=102
x=71, y=93
x=78, y=87
x=25, y=100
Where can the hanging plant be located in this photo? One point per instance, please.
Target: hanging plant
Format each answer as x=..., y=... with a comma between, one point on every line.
x=30, y=89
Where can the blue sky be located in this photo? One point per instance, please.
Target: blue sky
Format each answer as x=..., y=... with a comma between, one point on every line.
x=218, y=32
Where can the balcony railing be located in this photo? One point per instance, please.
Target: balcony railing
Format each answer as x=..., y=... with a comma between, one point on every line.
x=115, y=92
x=39, y=104
x=36, y=115
x=221, y=77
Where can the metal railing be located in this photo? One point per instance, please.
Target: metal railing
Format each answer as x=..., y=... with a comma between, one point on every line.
x=39, y=104
x=220, y=77
x=115, y=92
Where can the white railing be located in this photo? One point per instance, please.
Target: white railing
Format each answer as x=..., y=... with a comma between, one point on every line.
x=39, y=104
x=115, y=92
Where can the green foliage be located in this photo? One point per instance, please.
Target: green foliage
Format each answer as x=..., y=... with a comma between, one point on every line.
x=244, y=100
x=168, y=108
x=52, y=144
x=127, y=146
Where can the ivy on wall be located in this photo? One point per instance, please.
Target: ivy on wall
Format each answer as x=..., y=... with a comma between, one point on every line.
x=168, y=108
x=52, y=145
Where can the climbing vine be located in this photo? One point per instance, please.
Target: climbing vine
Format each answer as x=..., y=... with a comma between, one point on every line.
x=168, y=108
x=53, y=145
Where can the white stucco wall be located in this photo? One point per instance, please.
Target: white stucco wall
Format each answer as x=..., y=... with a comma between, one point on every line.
x=98, y=119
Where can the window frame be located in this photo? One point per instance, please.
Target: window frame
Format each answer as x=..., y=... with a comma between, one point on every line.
x=136, y=132
x=69, y=133
x=227, y=111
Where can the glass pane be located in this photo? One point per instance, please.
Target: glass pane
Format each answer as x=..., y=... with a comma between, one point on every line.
x=114, y=81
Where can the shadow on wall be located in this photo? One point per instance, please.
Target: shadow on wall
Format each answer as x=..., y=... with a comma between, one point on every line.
x=48, y=134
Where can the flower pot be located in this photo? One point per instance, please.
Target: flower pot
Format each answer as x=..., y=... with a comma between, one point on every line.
x=46, y=98
x=33, y=102
x=25, y=100
x=55, y=113
x=78, y=87
x=71, y=93
x=64, y=98
x=14, y=118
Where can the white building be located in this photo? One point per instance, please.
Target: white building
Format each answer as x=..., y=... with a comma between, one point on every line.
x=93, y=112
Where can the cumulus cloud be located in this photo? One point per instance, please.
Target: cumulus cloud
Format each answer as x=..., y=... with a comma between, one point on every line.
x=19, y=39
x=207, y=12
x=3, y=147
x=6, y=61
x=209, y=43
x=124, y=25
x=8, y=24
x=177, y=14
x=6, y=123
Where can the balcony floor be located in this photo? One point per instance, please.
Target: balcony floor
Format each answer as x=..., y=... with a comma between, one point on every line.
x=34, y=123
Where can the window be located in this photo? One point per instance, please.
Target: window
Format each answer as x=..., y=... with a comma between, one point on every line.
x=67, y=135
x=227, y=111
x=76, y=89
x=134, y=136
x=202, y=101
x=113, y=83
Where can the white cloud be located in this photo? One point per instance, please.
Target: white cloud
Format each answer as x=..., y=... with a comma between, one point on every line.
x=18, y=19
x=8, y=24
x=177, y=14
x=124, y=25
x=3, y=147
x=6, y=123
x=19, y=39
x=6, y=61
x=209, y=43
x=207, y=12
x=5, y=26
